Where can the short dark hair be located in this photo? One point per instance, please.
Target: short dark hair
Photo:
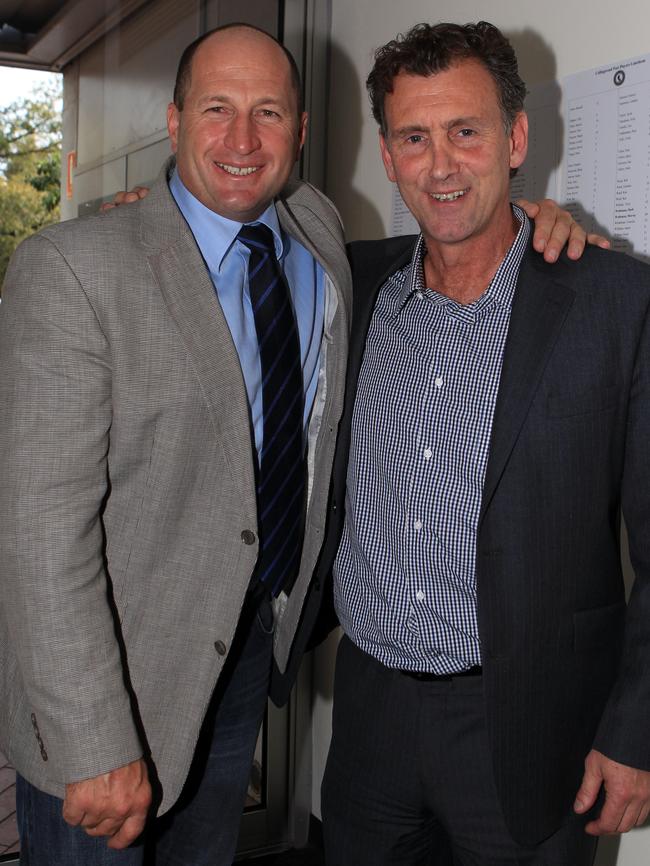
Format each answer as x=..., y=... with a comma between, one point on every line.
x=184, y=72
x=430, y=48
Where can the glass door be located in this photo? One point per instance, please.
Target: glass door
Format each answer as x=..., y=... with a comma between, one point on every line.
x=265, y=825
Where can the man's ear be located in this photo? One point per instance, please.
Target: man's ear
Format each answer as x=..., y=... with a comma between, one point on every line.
x=302, y=131
x=173, y=120
x=387, y=159
x=519, y=140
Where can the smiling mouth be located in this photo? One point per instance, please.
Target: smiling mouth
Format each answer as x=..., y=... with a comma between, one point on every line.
x=448, y=196
x=238, y=171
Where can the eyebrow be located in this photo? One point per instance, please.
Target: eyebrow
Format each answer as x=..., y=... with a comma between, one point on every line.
x=408, y=130
x=415, y=128
x=465, y=121
x=265, y=100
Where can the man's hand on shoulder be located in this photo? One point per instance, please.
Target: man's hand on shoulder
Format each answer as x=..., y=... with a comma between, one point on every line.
x=555, y=227
x=627, y=795
x=126, y=197
x=114, y=804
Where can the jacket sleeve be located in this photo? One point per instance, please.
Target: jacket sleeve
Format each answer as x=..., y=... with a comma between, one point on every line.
x=623, y=730
x=55, y=419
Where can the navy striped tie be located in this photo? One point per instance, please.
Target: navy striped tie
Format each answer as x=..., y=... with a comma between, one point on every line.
x=281, y=475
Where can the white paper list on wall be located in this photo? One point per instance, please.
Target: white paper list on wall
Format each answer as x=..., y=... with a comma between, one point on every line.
x=402, y=221
x=606, y=178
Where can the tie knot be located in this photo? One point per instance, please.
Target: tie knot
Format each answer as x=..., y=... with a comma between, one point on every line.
x=258, y=237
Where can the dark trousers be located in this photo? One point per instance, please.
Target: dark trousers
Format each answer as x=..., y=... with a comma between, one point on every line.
x=202, y=828
x=409, y=777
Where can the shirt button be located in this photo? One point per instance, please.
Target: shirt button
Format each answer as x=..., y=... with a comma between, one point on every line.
x=417, y=524
x=428, y=454
x=248, y=537
x=419, y=295
x=439, y=382
x=220, y=647
x=419, y=595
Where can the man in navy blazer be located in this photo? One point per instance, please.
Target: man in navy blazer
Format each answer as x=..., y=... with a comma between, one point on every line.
x=492, y=686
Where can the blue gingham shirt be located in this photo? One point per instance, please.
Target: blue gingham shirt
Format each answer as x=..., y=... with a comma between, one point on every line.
x=404, y=577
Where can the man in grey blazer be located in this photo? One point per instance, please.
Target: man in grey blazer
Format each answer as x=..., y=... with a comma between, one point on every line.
x=132, y=621
x=492, y=687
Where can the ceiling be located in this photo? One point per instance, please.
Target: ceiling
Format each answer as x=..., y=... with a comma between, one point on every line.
x=47, y=34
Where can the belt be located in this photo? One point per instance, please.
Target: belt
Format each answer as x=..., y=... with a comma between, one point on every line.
x=426, y=677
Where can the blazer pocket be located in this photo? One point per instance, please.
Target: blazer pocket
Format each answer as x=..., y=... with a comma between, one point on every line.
x=567, y=404
x=598, y=627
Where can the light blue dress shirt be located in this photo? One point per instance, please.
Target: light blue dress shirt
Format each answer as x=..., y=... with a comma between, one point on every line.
x=227, y=261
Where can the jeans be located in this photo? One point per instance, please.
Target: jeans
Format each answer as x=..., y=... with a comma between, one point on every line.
x=202, y=827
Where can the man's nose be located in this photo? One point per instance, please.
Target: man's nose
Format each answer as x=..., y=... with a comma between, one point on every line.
x=242, y=135
x=444, y=162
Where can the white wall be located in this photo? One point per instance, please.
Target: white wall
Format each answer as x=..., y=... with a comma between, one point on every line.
x=552, y=39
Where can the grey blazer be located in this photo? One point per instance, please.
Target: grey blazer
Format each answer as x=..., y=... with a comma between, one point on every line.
x=127, y=498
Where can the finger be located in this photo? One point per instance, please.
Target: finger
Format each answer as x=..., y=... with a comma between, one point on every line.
x=128, y=832
x=551, y=251
x=564, y=230
x=552, y=228
x=108, y=205
x=73, y=814
x=530, y=208
x=643, y=815
x=541, y=235
x=107, y=827
x=630, y=817
x=610, y=817
x=577, y=242
x=589, y=788
x=599, y=241
x=579, y=239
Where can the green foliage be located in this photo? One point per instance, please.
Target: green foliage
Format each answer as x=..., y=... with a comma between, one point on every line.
x=30, y=167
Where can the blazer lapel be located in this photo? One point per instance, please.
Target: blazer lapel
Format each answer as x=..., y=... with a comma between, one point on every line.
x=372, y=265
x=539, y=309
x=189, y=295
x=370, y=272
x=298, y=221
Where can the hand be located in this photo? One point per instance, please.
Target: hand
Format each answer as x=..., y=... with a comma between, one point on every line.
x=555, y=227
x=124, y=197
x=627, y=795
x=114, y=804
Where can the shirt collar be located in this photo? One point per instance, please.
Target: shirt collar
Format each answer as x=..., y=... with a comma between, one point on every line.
x=214, y=233
x=502, y=286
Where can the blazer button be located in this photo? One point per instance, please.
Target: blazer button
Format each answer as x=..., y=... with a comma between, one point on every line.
x=248, y=537
x=220, y=647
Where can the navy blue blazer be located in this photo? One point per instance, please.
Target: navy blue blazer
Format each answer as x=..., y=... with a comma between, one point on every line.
x=566, y=662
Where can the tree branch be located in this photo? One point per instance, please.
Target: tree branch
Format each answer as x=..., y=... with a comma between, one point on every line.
x=18, y=153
